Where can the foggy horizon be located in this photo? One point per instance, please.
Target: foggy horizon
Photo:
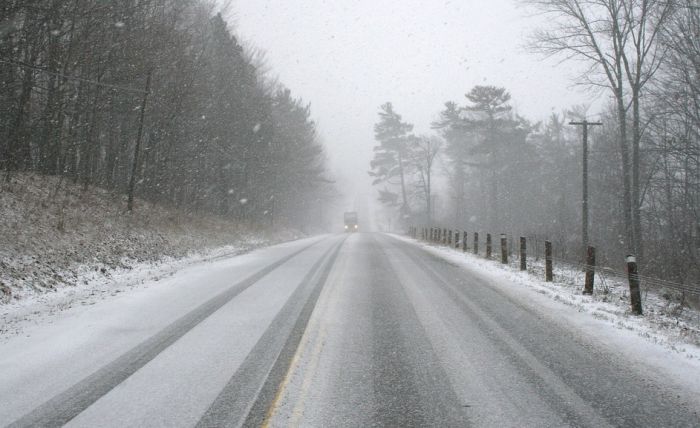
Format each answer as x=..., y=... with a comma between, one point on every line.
x=346, y=60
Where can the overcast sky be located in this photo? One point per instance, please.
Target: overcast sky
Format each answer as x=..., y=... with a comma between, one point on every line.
x=346, y=57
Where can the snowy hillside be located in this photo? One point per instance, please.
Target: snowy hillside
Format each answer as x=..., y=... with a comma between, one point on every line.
x=57, y=234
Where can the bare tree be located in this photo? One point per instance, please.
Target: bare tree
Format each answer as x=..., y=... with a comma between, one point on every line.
x=215, y=129
x=618, y=39
x=645, y=19
x=424, y=151
x=673, y=190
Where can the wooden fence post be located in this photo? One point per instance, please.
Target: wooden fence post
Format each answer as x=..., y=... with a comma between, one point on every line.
x=548, y=276
x=476, y=242
x=457, y=239
x=504, y=249
x=633, y=277
x=590, y=271
x=523, y=253
x=465, y=238
x=488, y=245
x=449, y=238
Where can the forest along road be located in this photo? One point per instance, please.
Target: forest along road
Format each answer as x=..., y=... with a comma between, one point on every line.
x=345, y=330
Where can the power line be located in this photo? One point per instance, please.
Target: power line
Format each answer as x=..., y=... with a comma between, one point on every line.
x=79, y=79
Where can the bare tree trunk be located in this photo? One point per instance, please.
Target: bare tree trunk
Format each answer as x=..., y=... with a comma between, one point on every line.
x=428, y=193
x=19, y=152
x=404, y=199
x=624, y=153
x=636, y=197
x=137, y=146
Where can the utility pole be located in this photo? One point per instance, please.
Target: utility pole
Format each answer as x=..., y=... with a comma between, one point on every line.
x=584, y=205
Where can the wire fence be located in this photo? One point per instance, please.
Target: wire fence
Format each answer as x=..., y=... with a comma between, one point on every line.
x=535, y=251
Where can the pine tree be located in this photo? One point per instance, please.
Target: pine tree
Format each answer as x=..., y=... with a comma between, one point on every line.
x=391, y=154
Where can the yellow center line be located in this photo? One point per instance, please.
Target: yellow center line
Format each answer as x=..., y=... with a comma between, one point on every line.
x=318, y=339
x=298, y=411
x=281, y=391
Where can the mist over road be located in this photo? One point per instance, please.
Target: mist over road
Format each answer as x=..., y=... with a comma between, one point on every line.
x=358, y=329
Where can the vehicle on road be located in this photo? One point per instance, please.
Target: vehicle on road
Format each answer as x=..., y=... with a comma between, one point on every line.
x=350, y=218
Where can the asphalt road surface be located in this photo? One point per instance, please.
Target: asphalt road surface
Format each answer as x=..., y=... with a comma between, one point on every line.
x=346, y=330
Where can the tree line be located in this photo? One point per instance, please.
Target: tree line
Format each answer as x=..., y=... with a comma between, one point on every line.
x=506, y=173
x=158, y=94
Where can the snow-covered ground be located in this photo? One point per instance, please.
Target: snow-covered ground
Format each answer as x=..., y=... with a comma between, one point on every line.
x=56, y=350
x=666, y=336
x=55, y=233
x=666, y=319
x=379, y=296
x=92, y=286
x=64, y=245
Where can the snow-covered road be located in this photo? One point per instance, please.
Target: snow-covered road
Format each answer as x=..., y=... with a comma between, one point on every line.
x=345, y=330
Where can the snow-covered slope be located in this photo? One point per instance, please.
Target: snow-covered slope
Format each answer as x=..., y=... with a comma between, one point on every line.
x=60, y=237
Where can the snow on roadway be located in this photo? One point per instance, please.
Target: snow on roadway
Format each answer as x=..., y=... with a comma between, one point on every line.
x=214, y=350
x=640, y=339
x=69, y=331
x=57, y=349
x=40, y=308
